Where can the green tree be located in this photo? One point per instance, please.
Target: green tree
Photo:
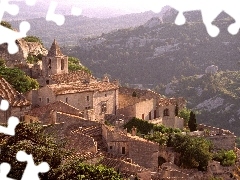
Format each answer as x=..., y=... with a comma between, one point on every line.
x=192, y=123
x=33, y=39
x=226, y=158
x=31, y=139
x=18, y=79
x=76, y=170
x=195, y=151
x=75, y=65
x=185, y=114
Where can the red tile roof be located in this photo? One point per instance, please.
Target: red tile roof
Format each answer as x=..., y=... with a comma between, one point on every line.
x=76, y=87
x=9, y=93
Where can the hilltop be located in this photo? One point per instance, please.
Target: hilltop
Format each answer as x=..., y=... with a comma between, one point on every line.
x=214, y=96
x=158, y=50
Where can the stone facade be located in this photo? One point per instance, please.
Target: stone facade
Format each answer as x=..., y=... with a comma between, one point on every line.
x=147, y=105
x=140, y=151
x=19, y=105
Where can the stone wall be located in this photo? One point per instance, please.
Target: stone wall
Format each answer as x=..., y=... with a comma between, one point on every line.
x=221, y=138
x=108, y=97
x=141, y=151
x=70, y=120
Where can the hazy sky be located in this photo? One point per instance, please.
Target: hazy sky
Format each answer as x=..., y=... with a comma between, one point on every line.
x=126, y=5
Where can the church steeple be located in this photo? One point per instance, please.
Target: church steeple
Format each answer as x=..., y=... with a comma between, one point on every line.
x=54, y=50
x=55, y=62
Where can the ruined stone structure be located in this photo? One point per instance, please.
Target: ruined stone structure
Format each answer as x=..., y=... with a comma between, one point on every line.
x=148, y=105
x=25, y=48
x=19, y=105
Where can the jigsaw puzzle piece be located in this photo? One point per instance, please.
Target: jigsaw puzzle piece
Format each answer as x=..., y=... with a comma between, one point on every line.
x=75, y=11
x=51, y=16
x=4, y=105
x=4, y=170
x=6, y=7
x=12, y=124
x=9, y=36
x=31, y=171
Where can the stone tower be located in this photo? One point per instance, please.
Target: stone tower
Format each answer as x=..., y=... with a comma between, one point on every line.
x=55, y=62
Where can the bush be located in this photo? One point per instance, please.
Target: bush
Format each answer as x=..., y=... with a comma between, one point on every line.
x=33, y=39
x=226, y=158
x=6, y=24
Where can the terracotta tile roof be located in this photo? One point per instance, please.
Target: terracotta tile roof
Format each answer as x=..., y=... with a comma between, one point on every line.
x=172, y=101
x=76, y=87
x=72, y=77
x=54, y=50
x=43, y=113
x=9, y=93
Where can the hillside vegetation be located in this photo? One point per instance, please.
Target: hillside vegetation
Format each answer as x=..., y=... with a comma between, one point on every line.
x=156, y=51
x=214, y=96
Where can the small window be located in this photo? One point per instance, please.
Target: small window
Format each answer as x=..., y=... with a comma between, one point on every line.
x=166, y=112
x=87, y=98
x=142, y=116
x=62, y=64
x=47, y=81
x=123, y=150
x=110, y=147
x=48, y=100
x=150, y=115
x=49, y=63
x=40, y=99
x=31, y=121
x=104, y=107
x=66, y=100
x=105, y=95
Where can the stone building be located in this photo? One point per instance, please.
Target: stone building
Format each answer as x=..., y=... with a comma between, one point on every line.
x=78, y=89
x=148, y=105
x=19, y=105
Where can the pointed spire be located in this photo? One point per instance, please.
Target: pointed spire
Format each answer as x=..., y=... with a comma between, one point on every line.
x=55, y=50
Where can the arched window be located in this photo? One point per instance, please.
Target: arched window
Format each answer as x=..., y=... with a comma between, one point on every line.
x=62, y=64
x=166, y=112
x=49, y=63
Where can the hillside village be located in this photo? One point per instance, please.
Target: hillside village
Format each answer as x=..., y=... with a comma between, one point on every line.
x=91, y=114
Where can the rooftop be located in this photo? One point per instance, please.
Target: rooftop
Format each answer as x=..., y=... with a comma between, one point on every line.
x=7, y=92
x=54, y=50
x=172, y=101
x=77, y=87
x=72, y=77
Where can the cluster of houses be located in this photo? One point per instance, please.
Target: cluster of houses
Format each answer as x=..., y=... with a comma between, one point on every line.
x=76, y=105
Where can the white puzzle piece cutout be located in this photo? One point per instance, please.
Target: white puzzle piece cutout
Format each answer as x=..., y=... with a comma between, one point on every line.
x=10, y=129
x=4, y=170
x=51, y=16
x=31, y=171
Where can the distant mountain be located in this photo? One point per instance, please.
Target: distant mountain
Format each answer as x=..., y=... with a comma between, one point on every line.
x=156, y=51
x=214, y=96
x=76, y=28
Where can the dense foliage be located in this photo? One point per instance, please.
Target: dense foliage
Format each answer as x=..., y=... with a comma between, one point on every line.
x=75, y=65
x=17, y=78
x=195, y=151
x=185, y=114
x=33, y=39
x=76, y=170
x=32, y=139
x=192, y=123
x=32, y=59
x=226, y=158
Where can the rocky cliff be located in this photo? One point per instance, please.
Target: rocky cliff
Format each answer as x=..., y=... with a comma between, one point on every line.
x=20, y=57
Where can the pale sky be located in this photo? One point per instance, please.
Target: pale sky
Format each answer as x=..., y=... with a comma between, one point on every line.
x=127, y=5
